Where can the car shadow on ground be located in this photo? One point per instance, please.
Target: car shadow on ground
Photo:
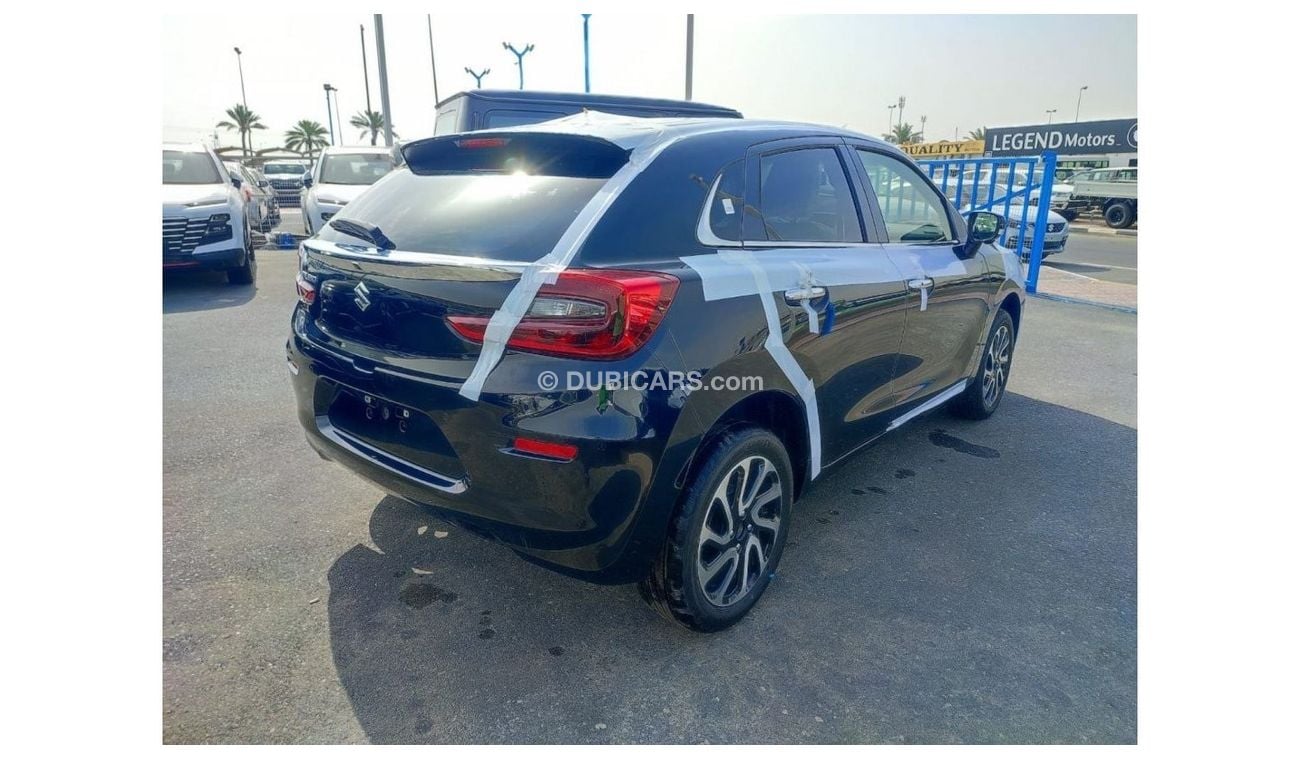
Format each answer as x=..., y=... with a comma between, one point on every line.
x=201, y=291
x=957, y=582
x=1078, y=268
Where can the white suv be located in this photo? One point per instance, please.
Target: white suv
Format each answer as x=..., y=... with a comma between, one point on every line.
x=339, y=176
x=204, y=219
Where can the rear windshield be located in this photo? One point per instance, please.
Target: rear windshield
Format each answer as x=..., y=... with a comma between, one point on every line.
x=506, y=200
x=186, y=168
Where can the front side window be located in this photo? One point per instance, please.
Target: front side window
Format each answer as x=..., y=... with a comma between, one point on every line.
x=912, y=210
x=354, y=168
x=804, y=197
x=187, y=168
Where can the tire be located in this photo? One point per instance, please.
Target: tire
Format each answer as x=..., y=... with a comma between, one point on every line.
x=743, y=466
x=979, y=401
x=1069, y=214
x=247, y=273
x=1119, y=216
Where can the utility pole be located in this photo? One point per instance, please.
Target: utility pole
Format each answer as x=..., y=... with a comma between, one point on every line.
x=690, y=52
x=519, y=56
x=1079, y=103
x=478, y=77
x=329, y=112
x=383, y=79
x=586, y=53
x=365, y=69
x=428, y=17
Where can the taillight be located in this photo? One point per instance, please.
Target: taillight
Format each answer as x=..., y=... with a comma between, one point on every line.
x=587, y=314
x=306, y=290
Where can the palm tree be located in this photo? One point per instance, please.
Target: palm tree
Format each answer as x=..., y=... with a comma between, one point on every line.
x=369, y=121
x=976, y=134
x=305, y=137
x=903, y=134
x=245, y=121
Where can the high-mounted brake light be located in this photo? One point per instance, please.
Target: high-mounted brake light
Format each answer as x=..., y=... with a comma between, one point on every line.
x=482, y=142
x=306, y=290
x=587, y=314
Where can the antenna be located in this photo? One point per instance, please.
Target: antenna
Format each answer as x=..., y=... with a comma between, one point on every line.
x=478, y=78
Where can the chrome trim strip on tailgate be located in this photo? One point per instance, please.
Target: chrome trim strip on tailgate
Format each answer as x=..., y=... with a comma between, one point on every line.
x=395, y=465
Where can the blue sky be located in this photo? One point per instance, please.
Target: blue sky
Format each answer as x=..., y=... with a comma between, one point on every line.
x=961, y=72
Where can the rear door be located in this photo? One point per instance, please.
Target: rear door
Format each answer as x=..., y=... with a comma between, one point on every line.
x=949, y=292
x=810, y=214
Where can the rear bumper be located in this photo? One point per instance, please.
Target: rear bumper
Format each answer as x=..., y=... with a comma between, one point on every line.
x=580, y=517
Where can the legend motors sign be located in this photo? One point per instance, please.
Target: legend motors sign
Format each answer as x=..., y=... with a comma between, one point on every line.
x=1070, y=139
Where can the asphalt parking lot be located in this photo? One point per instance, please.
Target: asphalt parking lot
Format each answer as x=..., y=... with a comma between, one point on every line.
x=1101, y=256
x=957, y=582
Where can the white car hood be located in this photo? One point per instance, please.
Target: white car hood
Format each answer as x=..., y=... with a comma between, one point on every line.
x=178, y=197
x=339, y=192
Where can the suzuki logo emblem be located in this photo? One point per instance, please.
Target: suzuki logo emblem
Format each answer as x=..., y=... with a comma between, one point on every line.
x=362, y=299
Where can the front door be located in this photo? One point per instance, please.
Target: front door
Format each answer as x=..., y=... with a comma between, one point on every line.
x=949, y=291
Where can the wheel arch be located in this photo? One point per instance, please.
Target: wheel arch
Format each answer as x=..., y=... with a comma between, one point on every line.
x=775, y=410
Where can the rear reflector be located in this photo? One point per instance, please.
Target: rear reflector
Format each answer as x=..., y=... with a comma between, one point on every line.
x=587, y=314
x=561, y=451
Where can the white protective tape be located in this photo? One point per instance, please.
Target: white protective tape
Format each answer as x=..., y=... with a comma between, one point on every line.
x=646, y=139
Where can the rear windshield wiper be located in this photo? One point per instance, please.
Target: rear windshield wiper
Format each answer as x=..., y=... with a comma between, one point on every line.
x=371, y=234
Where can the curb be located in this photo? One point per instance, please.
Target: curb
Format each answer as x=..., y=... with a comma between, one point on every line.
x=1082, y=302
x=1098, y=231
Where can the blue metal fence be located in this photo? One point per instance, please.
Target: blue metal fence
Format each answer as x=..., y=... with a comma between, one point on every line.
x=1017, y=188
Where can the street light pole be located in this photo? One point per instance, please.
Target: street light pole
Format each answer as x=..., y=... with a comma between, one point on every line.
x=892, y=106
x=329, y=112
x=1080, y=103
x=383, y=80
x=1051, y=111
x=365, y=69
x=690, y=53
x=239, y=59
x=586, y=53
x=338, y=116
x=428, y=17
x=519, y=56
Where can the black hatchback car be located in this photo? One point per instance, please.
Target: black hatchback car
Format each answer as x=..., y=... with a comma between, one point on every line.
x=625, y=346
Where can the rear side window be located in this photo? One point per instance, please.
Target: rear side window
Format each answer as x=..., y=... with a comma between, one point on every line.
x=804, y=196
x=492, y=197
x=726, y=204
x=501, y=118
x=446, y=122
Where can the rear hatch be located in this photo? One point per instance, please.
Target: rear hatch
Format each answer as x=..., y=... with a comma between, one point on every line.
x=445, y=238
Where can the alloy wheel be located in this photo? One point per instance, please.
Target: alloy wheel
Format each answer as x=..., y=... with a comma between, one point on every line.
x=997, y=364
x=741, y=523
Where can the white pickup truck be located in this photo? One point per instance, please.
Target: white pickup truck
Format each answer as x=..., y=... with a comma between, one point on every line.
x=1113, y=192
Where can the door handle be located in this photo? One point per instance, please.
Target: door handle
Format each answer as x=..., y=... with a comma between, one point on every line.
x=923, y=285
x=796, y=296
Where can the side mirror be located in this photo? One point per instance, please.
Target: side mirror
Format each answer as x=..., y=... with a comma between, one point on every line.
x=306, y=180
x=236, y=182
x=983, y=227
